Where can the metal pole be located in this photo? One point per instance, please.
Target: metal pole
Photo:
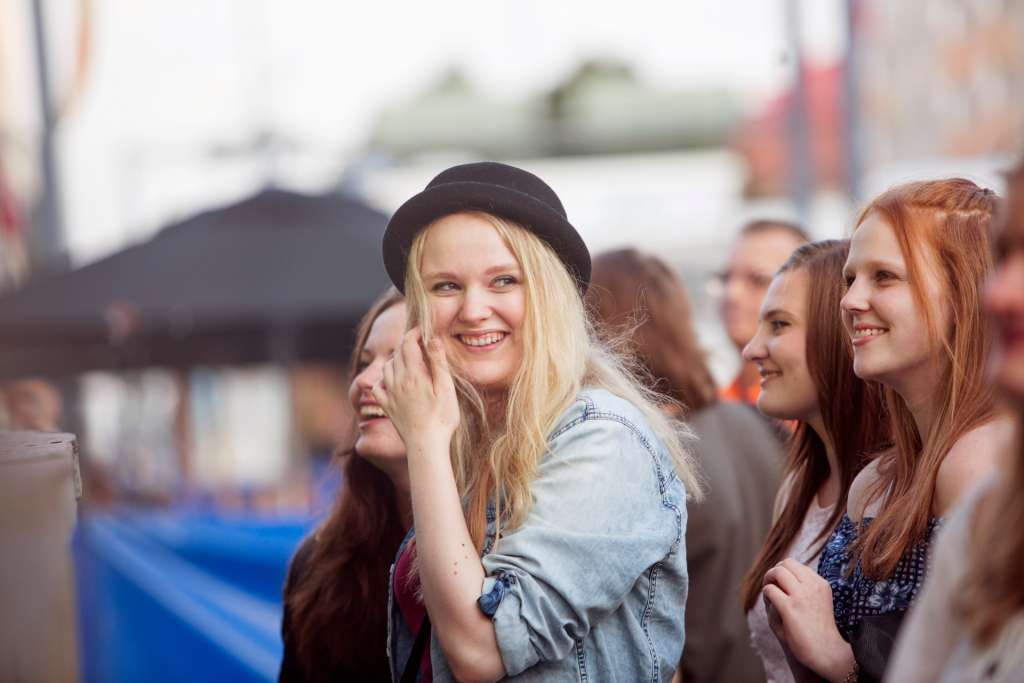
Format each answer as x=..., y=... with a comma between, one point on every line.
x=801, y=172
x=46, y=243
x=851, y=113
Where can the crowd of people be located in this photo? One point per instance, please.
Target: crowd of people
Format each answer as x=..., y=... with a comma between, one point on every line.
x=547, y=484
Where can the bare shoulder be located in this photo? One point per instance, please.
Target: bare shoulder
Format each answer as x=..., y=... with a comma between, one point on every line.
x=859, y=502
x=975, y=455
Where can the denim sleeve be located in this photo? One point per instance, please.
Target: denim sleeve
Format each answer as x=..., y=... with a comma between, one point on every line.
x=605, y=509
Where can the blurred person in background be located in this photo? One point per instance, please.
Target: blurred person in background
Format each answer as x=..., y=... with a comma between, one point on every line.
x=915, y=274
x=762, y=246
x=806, y=365
x=32, y=405
x=335, y=596
x=637, y=298
x=968, y=624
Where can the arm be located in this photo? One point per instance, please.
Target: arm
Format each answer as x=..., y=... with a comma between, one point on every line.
x=598, y=524
x=421, y=403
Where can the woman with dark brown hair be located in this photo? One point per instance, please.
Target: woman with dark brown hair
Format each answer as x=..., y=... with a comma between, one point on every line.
x=335, y=597
x=806, y=366
x=968, y=624
x=639, y=300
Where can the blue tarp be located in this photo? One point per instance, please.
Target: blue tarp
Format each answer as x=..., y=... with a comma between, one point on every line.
x=173, y=595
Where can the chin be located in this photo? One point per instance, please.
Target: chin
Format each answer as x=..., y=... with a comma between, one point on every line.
x=769, y=408
x=867, y=371
x=494, y=382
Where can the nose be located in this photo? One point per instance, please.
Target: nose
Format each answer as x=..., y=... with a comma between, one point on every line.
x=733, y=288
x=369, y=375
x=476, y=306
x=755, y=350
x=855, y=299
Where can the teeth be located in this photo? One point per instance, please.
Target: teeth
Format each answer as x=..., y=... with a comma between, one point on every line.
x=483, y=340
x=371, y=411
x=869, y=332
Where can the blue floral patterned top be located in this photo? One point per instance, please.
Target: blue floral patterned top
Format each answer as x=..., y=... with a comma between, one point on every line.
x=857, y=596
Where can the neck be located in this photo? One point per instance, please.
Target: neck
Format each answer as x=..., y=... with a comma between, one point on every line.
x=828, y=494
x=919, y=395
x=495, y=403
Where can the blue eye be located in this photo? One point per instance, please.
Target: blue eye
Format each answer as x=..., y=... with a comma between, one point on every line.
x=882, y=275
x=444, y=287
x=778, y=325
x=504, y=281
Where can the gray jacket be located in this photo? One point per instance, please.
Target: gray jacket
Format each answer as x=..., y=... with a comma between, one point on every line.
x=592, y=586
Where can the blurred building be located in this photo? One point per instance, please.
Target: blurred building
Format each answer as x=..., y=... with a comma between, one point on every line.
x=941, y=78
x=764, y=141
x=601, y=108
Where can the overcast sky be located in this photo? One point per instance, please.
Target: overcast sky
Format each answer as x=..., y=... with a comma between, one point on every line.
x=170, y=79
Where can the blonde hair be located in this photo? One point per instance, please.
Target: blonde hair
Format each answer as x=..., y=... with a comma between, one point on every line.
x=561, y=355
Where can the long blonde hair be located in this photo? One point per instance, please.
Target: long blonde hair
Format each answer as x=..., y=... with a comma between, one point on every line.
x=496, y=461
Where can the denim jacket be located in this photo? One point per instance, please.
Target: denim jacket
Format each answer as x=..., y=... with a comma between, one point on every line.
x=592, y=585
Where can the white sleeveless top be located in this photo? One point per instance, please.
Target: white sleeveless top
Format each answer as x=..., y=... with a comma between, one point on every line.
x=762, y=638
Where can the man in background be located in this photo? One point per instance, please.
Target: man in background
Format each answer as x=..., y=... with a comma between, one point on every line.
x=760, y=249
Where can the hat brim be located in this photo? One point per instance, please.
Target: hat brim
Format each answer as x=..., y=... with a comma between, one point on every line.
x=443, y=200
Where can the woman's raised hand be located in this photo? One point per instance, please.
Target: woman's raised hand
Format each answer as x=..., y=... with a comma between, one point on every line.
x=417, y=392
x=804, y=620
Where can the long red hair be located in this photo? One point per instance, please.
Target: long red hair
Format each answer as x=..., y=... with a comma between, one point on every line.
x=851, y=411
x=951, y=219
x=992, y=591
x=338, y=603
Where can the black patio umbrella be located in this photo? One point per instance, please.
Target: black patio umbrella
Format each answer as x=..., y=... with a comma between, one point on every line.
x=277, y=277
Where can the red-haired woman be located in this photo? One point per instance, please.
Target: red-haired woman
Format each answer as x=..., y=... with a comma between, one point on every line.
x=806, y=367
x=968, y=624
x=918, y=261
x=335, y=597
x=640, y=296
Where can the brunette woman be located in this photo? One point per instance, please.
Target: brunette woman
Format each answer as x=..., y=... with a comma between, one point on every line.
x=334, y=626
x=806, y=365
x=968, y=624
x=638, y=299
x=548, y=488
x=918, y=260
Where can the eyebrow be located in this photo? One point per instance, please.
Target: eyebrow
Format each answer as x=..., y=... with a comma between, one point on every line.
x=775, y=312
x=876, y=263
x=502, y=268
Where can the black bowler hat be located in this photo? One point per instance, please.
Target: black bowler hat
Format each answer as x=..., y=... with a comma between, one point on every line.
x=498, y=189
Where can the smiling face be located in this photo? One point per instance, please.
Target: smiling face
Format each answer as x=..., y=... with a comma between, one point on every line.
x=779, y=348
x=1004, y=299
x=377, y=440
x=892, y=342
x=477, y=298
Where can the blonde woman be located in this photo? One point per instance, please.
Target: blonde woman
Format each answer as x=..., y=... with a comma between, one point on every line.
x=548, y=487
